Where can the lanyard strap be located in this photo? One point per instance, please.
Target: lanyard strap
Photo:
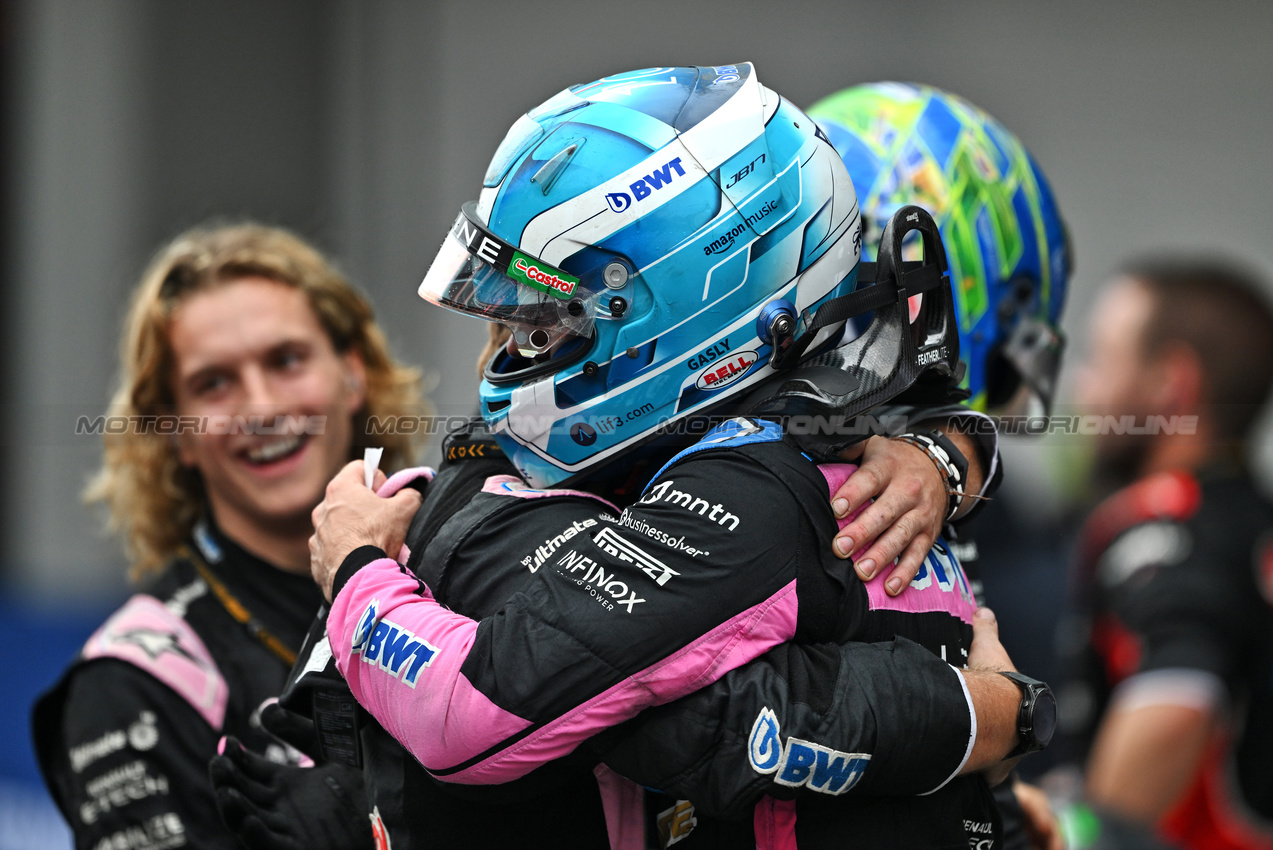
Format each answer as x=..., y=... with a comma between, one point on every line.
x=240, y=614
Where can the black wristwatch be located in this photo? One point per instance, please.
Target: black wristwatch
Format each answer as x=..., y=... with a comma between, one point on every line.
x=1036, y=719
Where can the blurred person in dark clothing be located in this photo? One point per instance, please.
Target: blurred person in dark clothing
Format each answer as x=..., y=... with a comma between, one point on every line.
x=1176, y=568
x=249, y=368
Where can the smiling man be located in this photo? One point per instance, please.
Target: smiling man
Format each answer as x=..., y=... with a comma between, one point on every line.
x=248, y=365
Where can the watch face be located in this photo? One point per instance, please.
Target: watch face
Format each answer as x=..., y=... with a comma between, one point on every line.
x=1044, y=717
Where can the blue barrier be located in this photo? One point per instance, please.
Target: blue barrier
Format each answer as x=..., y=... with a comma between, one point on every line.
x=41, y=640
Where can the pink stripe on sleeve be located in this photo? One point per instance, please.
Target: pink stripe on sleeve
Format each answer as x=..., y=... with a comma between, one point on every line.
x=940, y=585
x=145, y=633
x=836, y=474
x=401, y=654
x=730, y=645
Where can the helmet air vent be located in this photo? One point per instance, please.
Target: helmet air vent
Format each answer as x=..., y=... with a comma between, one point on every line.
x=545, y=177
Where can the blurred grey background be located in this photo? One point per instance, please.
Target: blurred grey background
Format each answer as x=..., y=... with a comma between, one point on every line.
x=364, y=126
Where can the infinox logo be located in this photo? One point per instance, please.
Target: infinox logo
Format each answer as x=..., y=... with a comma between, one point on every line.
x=722, y=373
x=559, y=284
x=645, y=186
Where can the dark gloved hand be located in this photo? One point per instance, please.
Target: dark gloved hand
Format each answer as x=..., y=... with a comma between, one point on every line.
x=271, y=806
x=291, y=728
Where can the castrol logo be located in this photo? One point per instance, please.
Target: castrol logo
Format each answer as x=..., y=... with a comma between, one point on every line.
x=543, y=278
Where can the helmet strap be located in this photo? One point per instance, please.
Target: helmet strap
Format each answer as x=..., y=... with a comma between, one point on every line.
x=915, y=277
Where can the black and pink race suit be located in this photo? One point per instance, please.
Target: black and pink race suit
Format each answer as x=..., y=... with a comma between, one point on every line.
x=124, y=738
x=565, y=616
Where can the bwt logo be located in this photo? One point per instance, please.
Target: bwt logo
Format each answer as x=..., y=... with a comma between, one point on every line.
x=939, y=566
x=390, y=647
x=646, y=186
x=822, y=769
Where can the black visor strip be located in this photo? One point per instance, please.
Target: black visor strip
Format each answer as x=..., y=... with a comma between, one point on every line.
x=488, y=247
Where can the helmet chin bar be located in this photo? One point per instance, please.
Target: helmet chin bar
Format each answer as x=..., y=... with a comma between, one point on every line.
x=503, y=368
x=1034, y=349
x=892, y=353
x=531, y=342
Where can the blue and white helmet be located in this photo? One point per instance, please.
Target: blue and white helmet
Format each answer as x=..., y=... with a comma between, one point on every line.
x=630, y=233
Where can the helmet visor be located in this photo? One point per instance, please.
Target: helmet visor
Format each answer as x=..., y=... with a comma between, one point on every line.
x=477, y=273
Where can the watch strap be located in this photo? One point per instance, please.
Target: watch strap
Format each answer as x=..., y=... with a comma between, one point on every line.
x=1031, y=691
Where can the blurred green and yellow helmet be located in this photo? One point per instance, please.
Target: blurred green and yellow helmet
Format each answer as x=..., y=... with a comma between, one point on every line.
x=1005, y=240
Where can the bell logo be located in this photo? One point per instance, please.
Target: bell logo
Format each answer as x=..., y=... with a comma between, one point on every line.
x=722, y=373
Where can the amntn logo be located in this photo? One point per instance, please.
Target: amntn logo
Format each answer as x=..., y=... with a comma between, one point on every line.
x=722, y=373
